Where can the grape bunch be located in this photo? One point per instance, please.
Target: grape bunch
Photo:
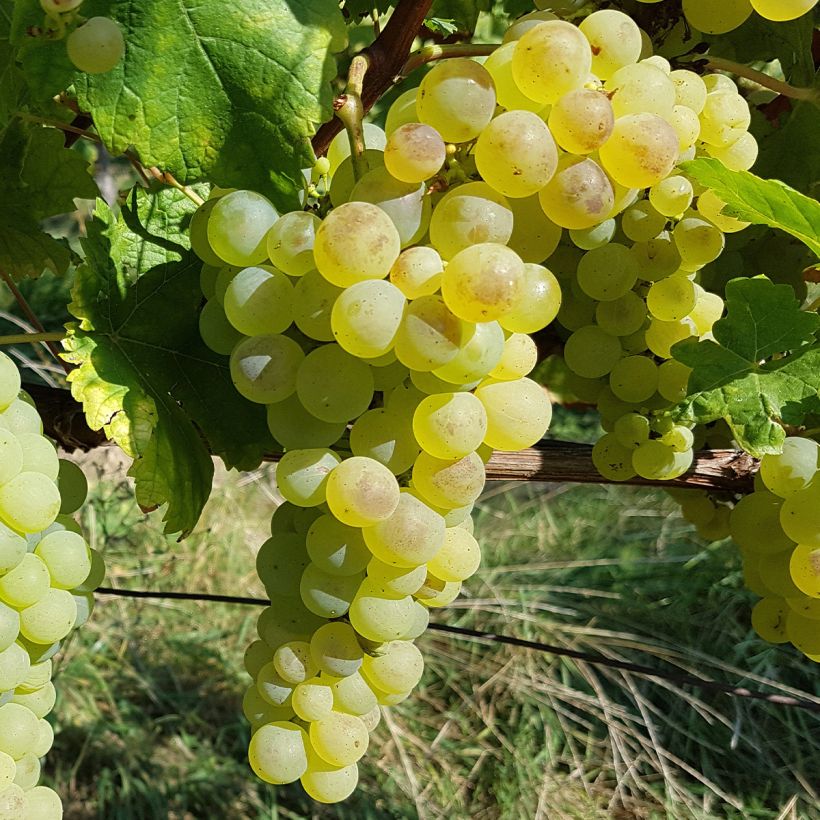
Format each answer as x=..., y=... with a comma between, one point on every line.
x=47, y=578
x=94, y=46
x=718, y=18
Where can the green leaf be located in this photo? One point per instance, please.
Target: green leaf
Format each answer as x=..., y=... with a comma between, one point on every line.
x=144, y=375
x=225, y=92
x=443, y=27
x=763, y=368
x=11, y=82
x=760, y=201
x=41, y=178
x=462, y=13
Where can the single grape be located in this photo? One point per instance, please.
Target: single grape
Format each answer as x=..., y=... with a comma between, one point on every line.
x=615, y=40
x=238, y=226
x=290, y=242
x=96, y=46
x=414, y=152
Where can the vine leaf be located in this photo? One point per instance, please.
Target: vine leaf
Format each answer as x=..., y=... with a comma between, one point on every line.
x=11, y=81
x=760, y=201
x=40, y=179
x=143, y=374
x=225, y=92
x=763, y=367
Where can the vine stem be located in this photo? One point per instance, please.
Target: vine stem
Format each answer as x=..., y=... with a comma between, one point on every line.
x=32, y=318
x=350, y=111
x=428, y=54
x=773, y=84
x=24, y=338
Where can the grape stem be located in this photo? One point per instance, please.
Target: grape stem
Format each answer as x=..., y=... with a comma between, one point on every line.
x=429, y=54
x=32, y=318
x=748, y=73
x=26, y=338
x=350, y=111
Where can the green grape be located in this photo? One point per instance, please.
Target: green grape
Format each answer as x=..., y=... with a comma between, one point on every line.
x=467, y=215
x=59, y=6
x=325, y=595
x=385, y=436
x=710, y=207
x=538, y=302
x=11, y=455
x=21, y=417
x=198, y=234
x=595, y=237
x=622, y=316
x=518, y=413
x=326, y=783
x=449, y=482
x=9, y=626
x=312, y=699
x=293, y=662
x=712, y=18
x=414, y=152
x=258, y=711
x=396, y=668
x=592, y=353
x=14, y=803
x=508, y=94
x=14, y=668
x=739, y=155
x=803, y=634
x=641, y=88
x=356, y=241
x=339, y=739
x=634, y=343
x=686, y=125
x=436, y=593
x=256, y=656
x=67, y=558
x=804, y=567
x=724, y=119
x=401, y=111
x=302, y=475
x=458, y=558
x=39, y=702
x=345, y=177
x=333, y=385
x=680, y=439
x=223, y=280
x=456, y=98
x=95, y=576
x=450, y=425
x=272, y=688
x=769, y=619
x=642, y=150
x=29, y=502
x=807, y=607
x=690, y=90
x=615, y=40
x=417, y=272
x=386, y=377
x=9, y=381
x=352, y=694
x=96, y=46
x=671, y=196
x=516, y=154
x=579, y=195
x=294, y=428
x=477, y=357
x=524, y=23
x=534, y=237
x=631, y=430
x=657, y=461
x=698, y=242
x=377, y=618
x=366, y=317
x=482, y=283
x=39, y=455
x=607, y=273
x=339, y=149
x=43, y=803
x=673, y=380
x=361, y=492
x=18, y=729
x=657, y=258
x=411, y=536
x=405, y=203
x=259, y=301
x=641, y=222
x=335, y=548
x=551, y=59
x=27, y=772
x=780, y=10
x=278, y=752
x=290, y=242
x=792, y=469
x=430, y=335
x=518, y=359
x=672, y=299
x=393, y=580
x=420, y=620
x=279, y=559
x=634, y=379
x=775, y=574
x=216, y=331
x=313, y=300
x=662, y=336
x=264, y=369
x=238, y=226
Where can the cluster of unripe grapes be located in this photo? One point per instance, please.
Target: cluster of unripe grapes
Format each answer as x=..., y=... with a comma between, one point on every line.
x=47, y=578
x=95, y=45
x=720, y=17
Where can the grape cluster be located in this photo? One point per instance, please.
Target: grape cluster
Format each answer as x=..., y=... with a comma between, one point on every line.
x=94, y=46
x=47, y=577
x=718, y=18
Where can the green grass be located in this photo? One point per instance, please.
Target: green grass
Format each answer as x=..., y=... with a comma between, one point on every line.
x=149, y=722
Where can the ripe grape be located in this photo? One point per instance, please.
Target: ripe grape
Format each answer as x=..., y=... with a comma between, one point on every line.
x=579, y=195
x=238, y=226
x=96, y=46
x=290, y=242
x=615, y=40
x=414, y=152
x=642, y=150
